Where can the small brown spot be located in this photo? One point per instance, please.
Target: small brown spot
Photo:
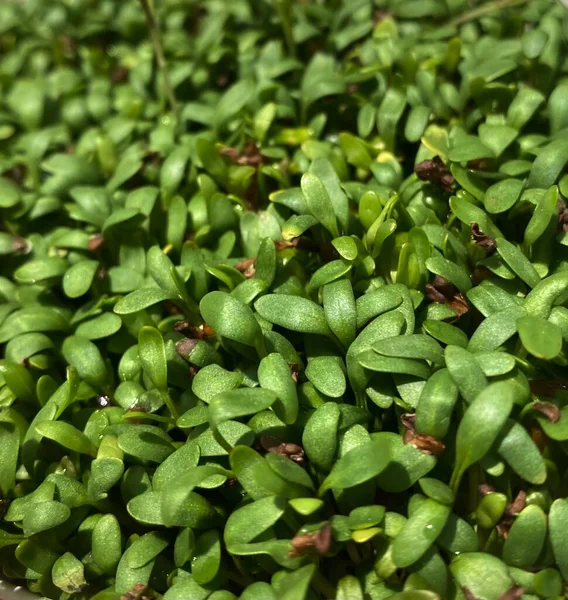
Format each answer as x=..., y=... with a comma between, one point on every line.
x=17, y=173
x=352, y=88
x=485, y=488
x=247, y=267
x=318, y=541
x=516, y=506
x=276, y=446
x=477, y=164
x=379, y=16
x=197, y=332
x=538, y=436
x=119, y=74
x=512, y=593
x=96, y=242
x=171, y=308
x=138, y=409
x=294, y=370
x=482, y=240
x=425, y=443
x=468, y=594
x=250, y=154
x=436, y=172
x=444, y=292
x=19, y=245
x=549, y=410
x=480, y=273
x=562, y=215
x=185, y=347
x=222, y=80
x=138, y=592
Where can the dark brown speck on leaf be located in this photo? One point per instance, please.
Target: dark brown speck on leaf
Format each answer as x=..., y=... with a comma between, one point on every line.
x=425, y=443
x=549, y=410
x=435, y=171
x=485, y=488
x=247, y=267
x=482, y=240
x=512, y=593
x=96, y=242
x=276, y=446
x=138, y=592
x=445, y=292
x=318, y=542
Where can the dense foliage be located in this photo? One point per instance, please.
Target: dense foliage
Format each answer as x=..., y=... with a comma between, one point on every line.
x=284, y=299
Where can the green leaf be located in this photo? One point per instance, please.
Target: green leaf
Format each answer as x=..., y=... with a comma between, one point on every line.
x=211, y=380
x=327, y=375
x=386, y=364
x=481, y=424
x=104, y=325
x=79, y=278
x=518, y=262
x=526, y=537
x=140, y=299
x=436, y=405
x=437, y=490
x=231, y=318
x=358, y=465
x=540, y=337
x=319, y=203
x=319, y=438
x=42, y=516
x=540, y=300
x=548, y=164
x=68, y=574
x=324, y=169
x=233, y=101
x=450, y=271
x=411, y=346
x=484, y=575
x=557, y=522
x=152, y=354
x=66, y=435
x=238, y=403
x=328, y=273
x=41, y=270
x=465, y=372
x=106, y=543
x=149, y=444
x=295, y=585
x=293, y=312
x=86, y=358
x=9, y=193
x=9, y=449
x=502, y=196
x=419, y=532
x=516, y=446
x=274, y=374
x=207, y=557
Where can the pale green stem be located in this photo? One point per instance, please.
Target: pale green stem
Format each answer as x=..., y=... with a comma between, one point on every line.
x=156, y=38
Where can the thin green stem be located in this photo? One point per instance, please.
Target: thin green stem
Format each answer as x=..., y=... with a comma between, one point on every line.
x=284, y=14
x=171, y=406
x=483, y=10
x=156, y=38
